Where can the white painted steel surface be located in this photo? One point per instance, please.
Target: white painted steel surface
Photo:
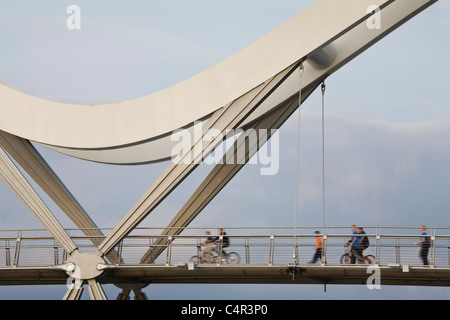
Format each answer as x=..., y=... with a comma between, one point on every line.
x=138, y=130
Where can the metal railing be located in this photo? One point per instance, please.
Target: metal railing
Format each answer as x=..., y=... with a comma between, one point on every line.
x=256, y=246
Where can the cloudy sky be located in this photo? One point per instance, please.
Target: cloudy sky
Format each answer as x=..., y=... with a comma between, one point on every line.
x=387, y=124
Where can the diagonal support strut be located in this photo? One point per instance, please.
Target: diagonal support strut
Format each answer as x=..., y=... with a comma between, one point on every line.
x=15, y=180
x=26, y=155
x=223, y=172
x=228, y=117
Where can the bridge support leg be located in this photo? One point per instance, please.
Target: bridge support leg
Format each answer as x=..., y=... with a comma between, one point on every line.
x=135, y=287
x=95, y=290
x=124, y=295
x=139, y=295
x=74, y=292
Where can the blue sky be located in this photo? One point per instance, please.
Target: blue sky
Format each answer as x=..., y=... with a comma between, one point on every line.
x=387, y=124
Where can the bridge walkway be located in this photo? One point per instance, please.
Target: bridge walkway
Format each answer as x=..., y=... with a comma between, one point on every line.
x=266, y=255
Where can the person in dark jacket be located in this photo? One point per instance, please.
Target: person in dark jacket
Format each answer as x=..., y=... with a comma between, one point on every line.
x=425, y=245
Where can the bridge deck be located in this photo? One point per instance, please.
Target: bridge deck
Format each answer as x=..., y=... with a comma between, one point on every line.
x=266, y=256
x=238, y=274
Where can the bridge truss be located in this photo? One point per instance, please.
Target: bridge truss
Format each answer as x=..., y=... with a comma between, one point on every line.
x=340, y=36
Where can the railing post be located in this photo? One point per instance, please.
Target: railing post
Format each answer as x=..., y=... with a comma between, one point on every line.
x=324, y=250
x=377, y=246
x=169, y=250
x=397, y=251
x=151, y=247
x=247, y=251
x=55, y=254
x=433, y=247
x=271, y=249
x=7, y=254
x=448, y=251
x=219, y=250
x=16, y=254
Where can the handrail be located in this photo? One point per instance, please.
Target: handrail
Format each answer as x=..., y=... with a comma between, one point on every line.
x=256, y=245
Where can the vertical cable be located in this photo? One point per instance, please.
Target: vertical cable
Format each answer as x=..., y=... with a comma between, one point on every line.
x=323, y=154
x=294, y=254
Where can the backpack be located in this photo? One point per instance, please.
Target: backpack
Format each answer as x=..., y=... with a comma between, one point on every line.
x=226, y=241
x=365, y=242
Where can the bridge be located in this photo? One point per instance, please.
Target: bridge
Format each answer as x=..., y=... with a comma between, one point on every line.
x=255, y=90
x=267, y=255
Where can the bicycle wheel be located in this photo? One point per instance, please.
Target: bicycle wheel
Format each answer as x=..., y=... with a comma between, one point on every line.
x=345, y=258
x=233, y=258
x=370, y=259
x=195, y=259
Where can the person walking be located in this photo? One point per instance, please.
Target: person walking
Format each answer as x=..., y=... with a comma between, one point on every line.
x=319, y=246
x=425, y=245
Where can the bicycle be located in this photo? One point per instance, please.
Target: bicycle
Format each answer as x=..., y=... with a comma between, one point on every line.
x=346, y=257
x=230, y=258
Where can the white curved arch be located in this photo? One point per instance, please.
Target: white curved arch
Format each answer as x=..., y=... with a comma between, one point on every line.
x=137, y=130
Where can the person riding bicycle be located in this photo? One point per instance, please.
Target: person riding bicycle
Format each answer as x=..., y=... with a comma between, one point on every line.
x=364, y=240
x=354, y=247
x=225, y=239
x=209, y=243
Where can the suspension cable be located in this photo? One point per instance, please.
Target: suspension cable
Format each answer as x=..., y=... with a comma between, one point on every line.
x=323, y=154
x=294, y=254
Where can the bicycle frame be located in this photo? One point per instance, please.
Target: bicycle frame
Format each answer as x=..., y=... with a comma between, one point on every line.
x=347, y=256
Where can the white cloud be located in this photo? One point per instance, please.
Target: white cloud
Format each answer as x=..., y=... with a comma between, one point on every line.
x=385, y=172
